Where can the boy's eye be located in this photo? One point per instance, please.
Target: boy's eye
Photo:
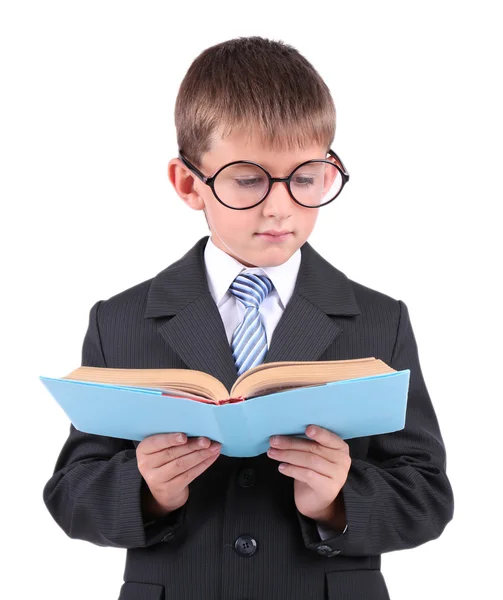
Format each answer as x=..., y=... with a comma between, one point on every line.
x=248, y=182
x=305, y=181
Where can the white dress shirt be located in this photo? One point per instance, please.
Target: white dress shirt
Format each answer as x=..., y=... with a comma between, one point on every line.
x=222, y=269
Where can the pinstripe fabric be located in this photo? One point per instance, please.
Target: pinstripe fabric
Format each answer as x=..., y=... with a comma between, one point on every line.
x=249, y=342
x=397, y=494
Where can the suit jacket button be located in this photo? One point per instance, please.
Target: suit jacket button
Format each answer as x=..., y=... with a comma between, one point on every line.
x=245, y=545
x=247, y=477
x=324, y=550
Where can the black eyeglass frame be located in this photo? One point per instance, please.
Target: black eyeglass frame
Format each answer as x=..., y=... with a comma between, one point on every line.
x=210, y=181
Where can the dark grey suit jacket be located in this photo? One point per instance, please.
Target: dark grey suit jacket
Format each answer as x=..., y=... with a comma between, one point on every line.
x=397, y=494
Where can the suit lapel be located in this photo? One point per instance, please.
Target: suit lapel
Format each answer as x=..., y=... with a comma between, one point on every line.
x=196, y=332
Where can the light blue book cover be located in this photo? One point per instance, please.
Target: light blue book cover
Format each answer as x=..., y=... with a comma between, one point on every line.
x=351, y=408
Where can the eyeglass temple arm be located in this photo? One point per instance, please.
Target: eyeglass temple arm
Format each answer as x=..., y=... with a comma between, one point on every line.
x=334, y=155
x=190, y=166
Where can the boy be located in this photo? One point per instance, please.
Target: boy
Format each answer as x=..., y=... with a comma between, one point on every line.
x=310, y=518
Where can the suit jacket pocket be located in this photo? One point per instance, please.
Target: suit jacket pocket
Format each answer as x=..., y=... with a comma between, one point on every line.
x=132, y=590
x=360, y=584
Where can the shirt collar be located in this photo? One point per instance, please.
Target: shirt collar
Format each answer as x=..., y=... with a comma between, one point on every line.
x=222, y=269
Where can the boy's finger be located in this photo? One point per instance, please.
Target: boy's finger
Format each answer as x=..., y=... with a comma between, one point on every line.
x=178, y=466
x=307, y=460
x=160, y=441
x=188, y=476
x=166, y=455
x=325, y=437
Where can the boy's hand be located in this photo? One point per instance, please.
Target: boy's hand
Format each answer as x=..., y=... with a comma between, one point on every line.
x=319, y=467
x=168, y=462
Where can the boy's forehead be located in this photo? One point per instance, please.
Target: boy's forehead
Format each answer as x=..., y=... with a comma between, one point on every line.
x=276, y=156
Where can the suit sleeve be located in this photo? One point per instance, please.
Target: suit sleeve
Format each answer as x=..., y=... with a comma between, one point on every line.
x=94, y=493
x=400, y=497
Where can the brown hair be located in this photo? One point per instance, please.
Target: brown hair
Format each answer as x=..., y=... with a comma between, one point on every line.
x=253, y=85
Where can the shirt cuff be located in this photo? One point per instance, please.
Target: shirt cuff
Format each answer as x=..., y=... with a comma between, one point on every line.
x=326, y=533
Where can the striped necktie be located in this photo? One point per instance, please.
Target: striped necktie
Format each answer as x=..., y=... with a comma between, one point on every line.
x=249, y=342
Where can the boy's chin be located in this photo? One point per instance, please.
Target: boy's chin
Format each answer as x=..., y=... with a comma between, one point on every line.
x=270, y=255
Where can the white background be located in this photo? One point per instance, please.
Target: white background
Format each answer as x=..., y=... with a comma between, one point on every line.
x=87, y=129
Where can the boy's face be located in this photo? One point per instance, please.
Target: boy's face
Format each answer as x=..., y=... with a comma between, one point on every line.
x=237, y=232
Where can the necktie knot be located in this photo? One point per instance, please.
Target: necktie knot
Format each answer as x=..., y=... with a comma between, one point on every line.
x=251, y=289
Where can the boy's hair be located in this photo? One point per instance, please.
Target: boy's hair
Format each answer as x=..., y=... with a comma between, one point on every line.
x=253, y=85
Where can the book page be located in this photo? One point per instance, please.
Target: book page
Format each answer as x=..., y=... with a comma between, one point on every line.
x=196, y=383
x=274, y=388
x=275, y=376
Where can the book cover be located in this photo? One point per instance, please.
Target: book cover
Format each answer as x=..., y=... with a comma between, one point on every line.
x=350, y=408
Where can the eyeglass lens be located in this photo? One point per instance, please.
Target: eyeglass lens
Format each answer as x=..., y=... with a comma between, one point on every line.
x=313, y=184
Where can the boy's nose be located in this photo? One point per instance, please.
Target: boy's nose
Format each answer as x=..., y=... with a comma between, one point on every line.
x=279, y=201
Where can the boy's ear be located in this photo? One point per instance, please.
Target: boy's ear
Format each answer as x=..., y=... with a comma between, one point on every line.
x=185, y=184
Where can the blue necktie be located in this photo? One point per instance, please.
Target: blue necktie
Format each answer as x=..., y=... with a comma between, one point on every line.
x=249, y=342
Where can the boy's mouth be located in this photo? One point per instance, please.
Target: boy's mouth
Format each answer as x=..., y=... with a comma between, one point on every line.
x=275, y=232
x=275, y=236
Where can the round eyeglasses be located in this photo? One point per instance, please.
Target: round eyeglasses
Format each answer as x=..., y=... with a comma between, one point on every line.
x=243, y=184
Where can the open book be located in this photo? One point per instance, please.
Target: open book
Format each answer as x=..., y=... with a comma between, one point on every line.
x=266, y=378
x=353, y=398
